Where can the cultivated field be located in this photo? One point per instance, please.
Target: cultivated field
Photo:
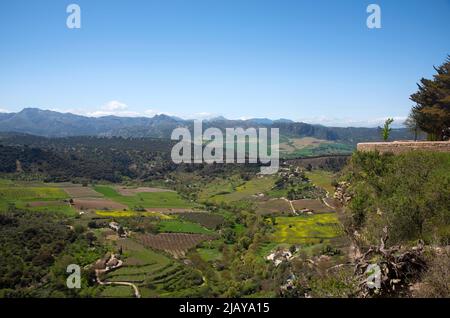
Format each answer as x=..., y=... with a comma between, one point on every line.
x=98, y=204
x=145, y=200
x=155, y=274
x=35, y=198
x=35, y=204
x=129, y=213
x=316, y=206
x=127, y=191
x=176, y=244
x=170, y=210
x=306, y=229
x=31, y=193
x=82, y=192
x=237, y=190
x=322, y=179
x=273, y=206
x=182, y=226
x=208, y=220
x=289, y=145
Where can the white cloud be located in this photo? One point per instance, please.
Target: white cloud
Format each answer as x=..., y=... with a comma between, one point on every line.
x=114, y=105
x=101, y=113
x=113, y=108
x=4, y=110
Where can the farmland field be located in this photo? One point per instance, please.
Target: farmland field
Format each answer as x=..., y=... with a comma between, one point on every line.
x=38, y=199
x=317, y=206
x=81, y=192
x=306, y=229
x=240, y=191
x=318, y=149
x=291, y=145
x=127, y=191
x=32, y=193
x=145, y=200
x=208, y=220
x=209, y=254
x=156, y=275
x=112, y=291
x=177, y=244
x=321, y=179
x=180, y=226
x=129, y=213
x=170, y=210
x=98, y=204
x=273, y=206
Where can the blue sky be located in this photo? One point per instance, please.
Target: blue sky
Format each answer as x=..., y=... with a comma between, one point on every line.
x=313, y=61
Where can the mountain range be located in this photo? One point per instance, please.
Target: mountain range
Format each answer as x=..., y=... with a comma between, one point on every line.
x=48, y=123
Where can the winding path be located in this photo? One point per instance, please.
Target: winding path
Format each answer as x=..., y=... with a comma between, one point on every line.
x=98, y=272
x=291, y=205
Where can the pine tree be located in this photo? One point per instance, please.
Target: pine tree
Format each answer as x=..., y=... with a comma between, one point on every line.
x=432, y=109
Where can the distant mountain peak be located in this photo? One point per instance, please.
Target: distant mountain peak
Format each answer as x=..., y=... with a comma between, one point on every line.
x=260, y=121
x=218, y=118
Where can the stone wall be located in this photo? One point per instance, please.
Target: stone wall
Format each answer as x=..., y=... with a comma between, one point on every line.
x=397, y=147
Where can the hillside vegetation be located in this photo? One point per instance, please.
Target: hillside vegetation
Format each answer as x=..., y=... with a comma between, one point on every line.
x=409, y=193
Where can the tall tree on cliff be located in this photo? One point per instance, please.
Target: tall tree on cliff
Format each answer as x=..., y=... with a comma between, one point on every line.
x=432, y=109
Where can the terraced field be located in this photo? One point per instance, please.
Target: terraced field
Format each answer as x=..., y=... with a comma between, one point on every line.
x=156, y=275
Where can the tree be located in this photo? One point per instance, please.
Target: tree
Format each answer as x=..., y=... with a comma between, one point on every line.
x=386, y=130
x=432, y=109
x=412, y=125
